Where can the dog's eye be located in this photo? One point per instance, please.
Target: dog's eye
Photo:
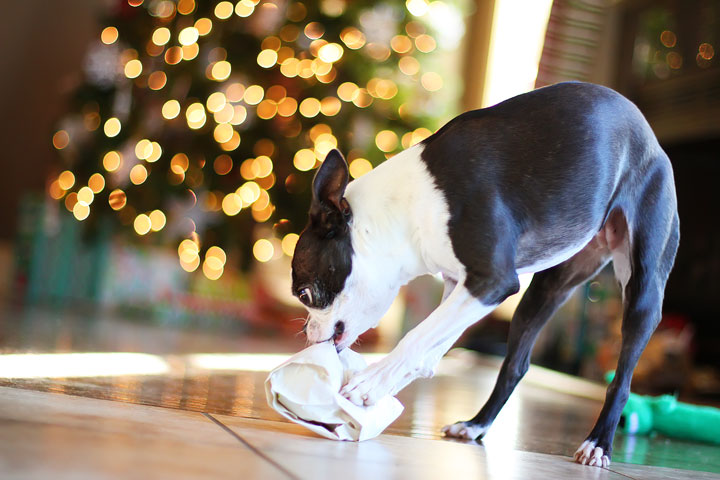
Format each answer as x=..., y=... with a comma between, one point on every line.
x=305, y=296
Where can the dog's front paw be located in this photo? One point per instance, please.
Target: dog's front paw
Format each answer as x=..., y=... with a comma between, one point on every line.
x=592, y=455
x=368, y=386
x=464, y=430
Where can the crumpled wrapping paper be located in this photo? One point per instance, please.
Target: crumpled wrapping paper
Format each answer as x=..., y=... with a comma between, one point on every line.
x=305, y=389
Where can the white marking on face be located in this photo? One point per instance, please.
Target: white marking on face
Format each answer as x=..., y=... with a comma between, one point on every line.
x=398, y=231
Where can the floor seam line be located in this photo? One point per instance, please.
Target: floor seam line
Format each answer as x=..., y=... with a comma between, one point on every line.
x=250, y=446
x=620, y=473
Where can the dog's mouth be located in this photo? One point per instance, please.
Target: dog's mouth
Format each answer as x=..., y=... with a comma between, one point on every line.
x=338, y=337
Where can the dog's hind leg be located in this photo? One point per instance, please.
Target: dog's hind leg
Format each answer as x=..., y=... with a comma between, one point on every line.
x=642, y=265
x=548, y=290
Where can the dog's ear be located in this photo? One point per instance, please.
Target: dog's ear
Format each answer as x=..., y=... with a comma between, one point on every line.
x=330, y=210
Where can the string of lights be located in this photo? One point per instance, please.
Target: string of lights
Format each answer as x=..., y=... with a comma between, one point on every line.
x=199, y=123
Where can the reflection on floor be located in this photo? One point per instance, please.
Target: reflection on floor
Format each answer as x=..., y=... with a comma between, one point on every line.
x=215, y=419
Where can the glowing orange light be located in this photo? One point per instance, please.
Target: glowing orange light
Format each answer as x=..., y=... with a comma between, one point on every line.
x=287, y=107
x=55, y=191
x=304, y=159
x=348, y=91
x=179, y=163
x=223, y=164
x=109, y=35
x=171, y=109
x=66, y=180
x=409, y=65
x=386, y=140
x=288, y=244
x=81, y=211
x=254, y=94
x=186, y=7
x=157, y=220
x=267, y=58
x=60, y=139
x=330, y=53
x=425, y=43
x=231, y=204
x=263, y=250
x=204, y=26
x=262, y=166
x=112, y=127
x=239, y=115
x=359, y=167
x=96, y=182
x=133, y=68
x=233, y=143
x=142, y=224
x=273, y=43
x=401, y=44
x=188, y=36
x=223, y=133
x=161, y=36
x=173, y=55
x=432, y=81
x=138, y=174
x=706, y=51
x=224, y=10
x=221, y=70
x=352, y=38
x=235, y=92
x=244, y=8
x=309, y=107
x=112, y=161
x=314, y=30
x=216, y=102
x=190, y=52
x=117, y=199
x=417, y=7
x=668, y=38
x=157, y=80
x=267, y=109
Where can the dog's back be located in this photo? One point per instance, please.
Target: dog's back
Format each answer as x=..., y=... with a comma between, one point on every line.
x=560, y=159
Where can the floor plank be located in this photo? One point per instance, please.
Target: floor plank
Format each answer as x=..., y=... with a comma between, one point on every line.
x=392, y=456
x=46, y=435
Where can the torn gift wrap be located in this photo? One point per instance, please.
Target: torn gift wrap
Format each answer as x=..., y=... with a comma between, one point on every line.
x=305, y=389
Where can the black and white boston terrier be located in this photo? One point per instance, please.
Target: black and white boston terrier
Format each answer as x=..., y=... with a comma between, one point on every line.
x=557, y=182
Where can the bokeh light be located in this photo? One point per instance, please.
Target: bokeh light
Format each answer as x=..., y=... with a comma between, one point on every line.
x=112, y=127
x=61, y=139
x=96, y=182
x=66, y=180
x=117, y=199
x=142, y=224
x=109, y=35
x=112, y=161
x=359, y=167
x=263, y=250
x=171, y=109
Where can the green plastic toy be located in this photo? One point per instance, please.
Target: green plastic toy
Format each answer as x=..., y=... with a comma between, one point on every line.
x=665, y=415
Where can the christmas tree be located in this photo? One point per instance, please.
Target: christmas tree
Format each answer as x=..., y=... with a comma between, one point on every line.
x=199, y=124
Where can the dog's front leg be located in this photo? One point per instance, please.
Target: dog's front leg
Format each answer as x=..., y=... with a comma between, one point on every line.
x=418, y=353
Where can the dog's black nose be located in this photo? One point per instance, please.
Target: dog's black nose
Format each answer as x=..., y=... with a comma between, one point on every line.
x=339, y=329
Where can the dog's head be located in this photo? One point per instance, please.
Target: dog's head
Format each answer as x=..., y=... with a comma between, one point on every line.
x=342, y=289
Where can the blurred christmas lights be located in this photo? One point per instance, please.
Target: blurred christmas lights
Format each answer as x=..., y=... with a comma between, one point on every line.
x=310, y=78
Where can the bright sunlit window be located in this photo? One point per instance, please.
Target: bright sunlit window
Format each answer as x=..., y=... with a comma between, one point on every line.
x=518, y=34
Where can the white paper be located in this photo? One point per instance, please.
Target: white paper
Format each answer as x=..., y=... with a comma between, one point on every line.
x=306, y=390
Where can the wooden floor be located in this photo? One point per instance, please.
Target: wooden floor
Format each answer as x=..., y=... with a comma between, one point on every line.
x=169, y=412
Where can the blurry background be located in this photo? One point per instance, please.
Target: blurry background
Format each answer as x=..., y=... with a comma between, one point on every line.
x=157, y=157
